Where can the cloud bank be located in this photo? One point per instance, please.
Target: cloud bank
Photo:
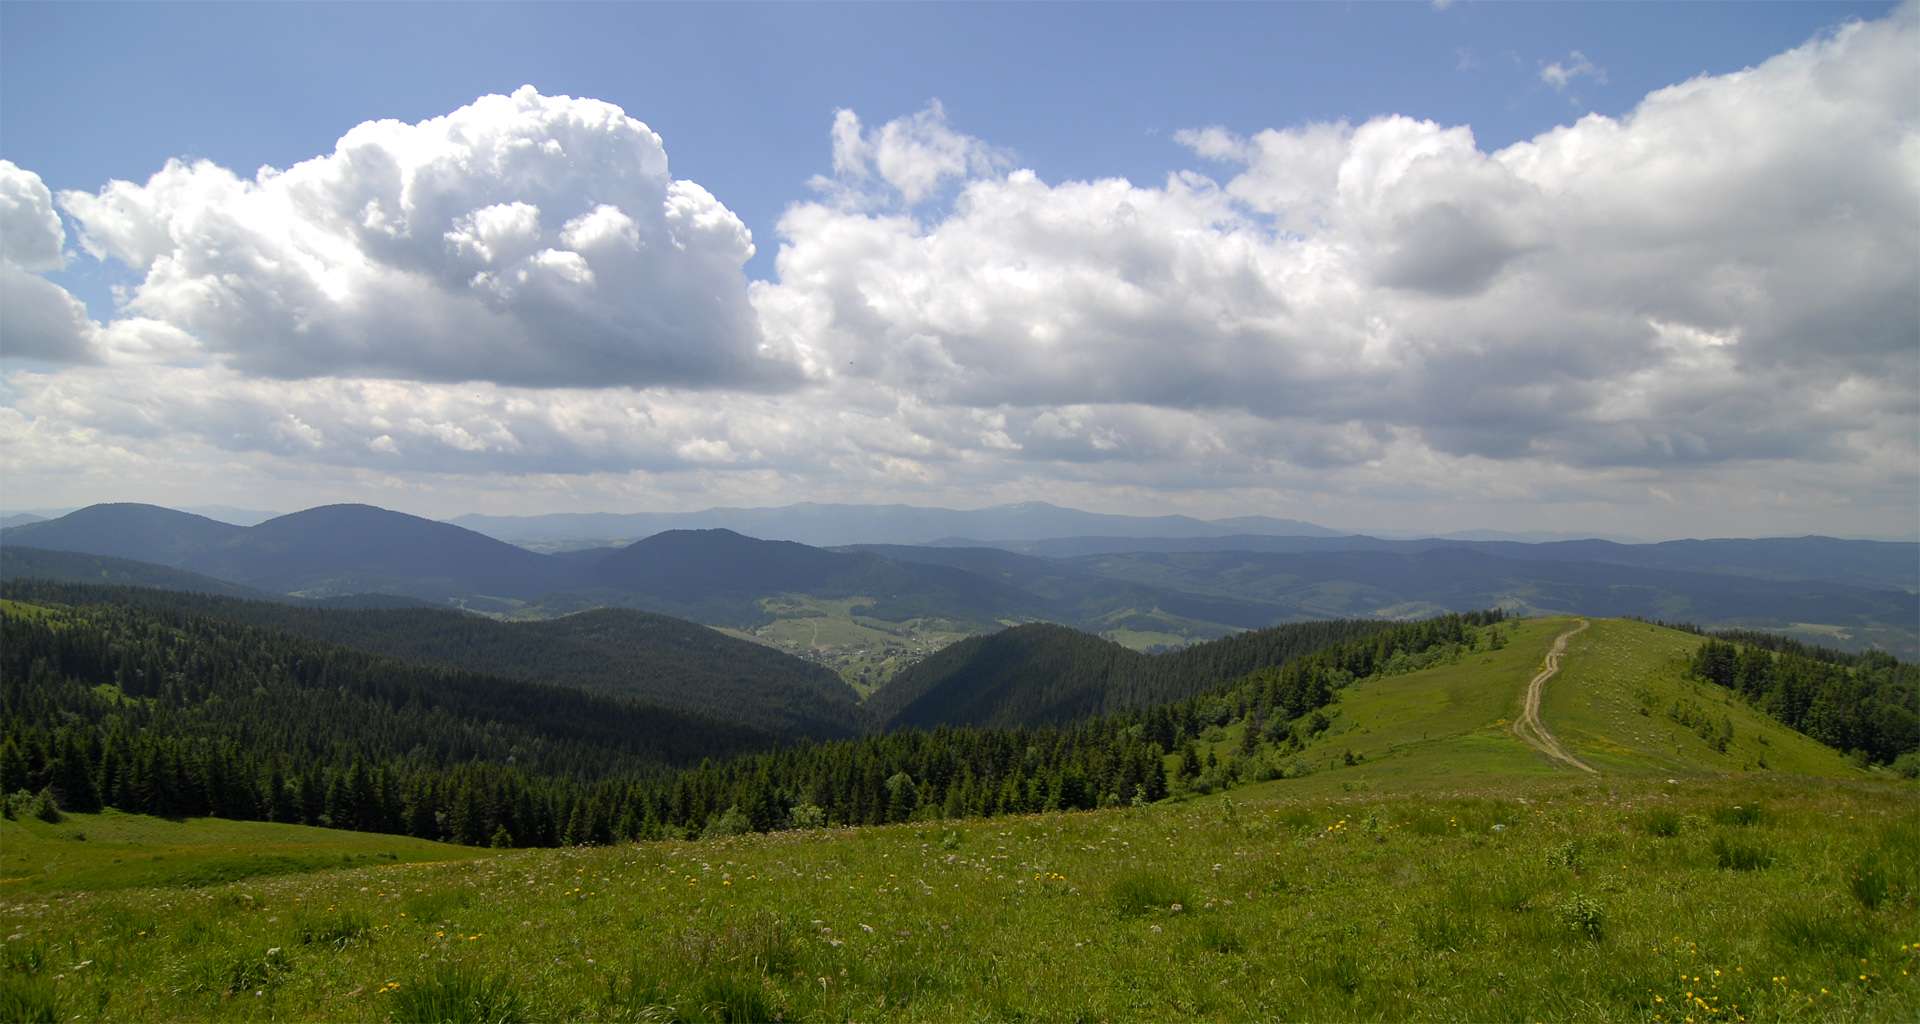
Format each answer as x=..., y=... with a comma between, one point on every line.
x=1707, y=300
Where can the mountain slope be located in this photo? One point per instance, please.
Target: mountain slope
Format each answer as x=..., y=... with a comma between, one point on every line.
x=1042, y=674
x=240, y=691
x=720, y=576
x=18, y=562
x=1077, y=596
x=342, y=549
x=664, y=662
x=146, y=533
x=1451, y=724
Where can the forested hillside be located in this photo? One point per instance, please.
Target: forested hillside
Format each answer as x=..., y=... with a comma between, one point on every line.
x=1867, y=702
x=720, y=576
x=18, y=562
x=651, y=658
x=160, y=709
x=145, y=533
x=166, y=710
x=1039, y=674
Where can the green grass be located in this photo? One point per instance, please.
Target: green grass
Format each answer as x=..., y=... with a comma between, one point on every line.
x=1452, y=873
x=1617, y=669
x=1429, y=907
x=1451, y=725
x=91, y=852
x=24, y=610
x=1438, y=728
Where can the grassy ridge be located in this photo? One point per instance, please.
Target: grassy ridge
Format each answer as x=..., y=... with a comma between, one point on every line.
x=1450, y=873
x=1553, y=899
x=1613, y=702
x=92, y=852
x=1451, y=724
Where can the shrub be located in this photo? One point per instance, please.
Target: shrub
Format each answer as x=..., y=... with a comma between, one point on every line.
x=457, y=995
x=1566, y=855
x=1582, y=915
x=730, y=822
x=1740, y=856
x=1907, y=765
x=45, y=807
x=807, y=816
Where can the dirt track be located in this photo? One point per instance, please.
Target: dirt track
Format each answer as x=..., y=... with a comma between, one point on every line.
x=1529, y=727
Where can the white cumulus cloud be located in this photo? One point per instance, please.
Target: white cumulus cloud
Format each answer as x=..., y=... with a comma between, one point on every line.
x=522, y=239
x=38, y=319
x=911, y=156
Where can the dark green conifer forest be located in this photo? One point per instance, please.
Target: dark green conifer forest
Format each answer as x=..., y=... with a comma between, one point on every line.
x=178, y=705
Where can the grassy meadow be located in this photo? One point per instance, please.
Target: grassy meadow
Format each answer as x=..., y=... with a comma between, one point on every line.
x=1450, y=873
x=110, y=850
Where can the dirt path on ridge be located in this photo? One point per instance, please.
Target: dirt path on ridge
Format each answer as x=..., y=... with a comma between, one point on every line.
x=1529, y=728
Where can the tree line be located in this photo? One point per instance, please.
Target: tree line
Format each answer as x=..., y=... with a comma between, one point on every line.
x=1864, y=702
x=160, y=711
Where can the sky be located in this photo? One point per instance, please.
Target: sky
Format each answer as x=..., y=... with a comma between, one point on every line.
x=1624, y=268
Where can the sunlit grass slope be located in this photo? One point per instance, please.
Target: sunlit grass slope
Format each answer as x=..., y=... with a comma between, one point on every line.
x=1622, y=684
x=1450, y=873
x=1765, y=898
x=1451, y=725
x=111, y=850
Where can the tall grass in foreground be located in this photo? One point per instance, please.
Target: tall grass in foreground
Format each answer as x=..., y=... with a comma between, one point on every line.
x=1606, y=899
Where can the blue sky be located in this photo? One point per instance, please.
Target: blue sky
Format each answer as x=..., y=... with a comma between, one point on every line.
x=743, y=92
x=1638, y=269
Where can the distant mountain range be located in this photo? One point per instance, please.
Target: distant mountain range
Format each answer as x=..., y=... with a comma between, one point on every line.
x=835, y=525
x=1142, y=589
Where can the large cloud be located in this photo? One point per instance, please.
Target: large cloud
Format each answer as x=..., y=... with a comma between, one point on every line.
x=1639, y=290
x=1699, y=313
x=38, y=319
x=523, y=239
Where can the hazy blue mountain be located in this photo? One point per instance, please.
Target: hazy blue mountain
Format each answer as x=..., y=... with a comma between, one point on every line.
x=145, y=533
x=20, y=519
x=720, y=576
x=1455, y=577
x=1892, y=564
x=1868, y=563
x=835, y=525
x=1079, y=596
x=351, y=549
x=1076, y=547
